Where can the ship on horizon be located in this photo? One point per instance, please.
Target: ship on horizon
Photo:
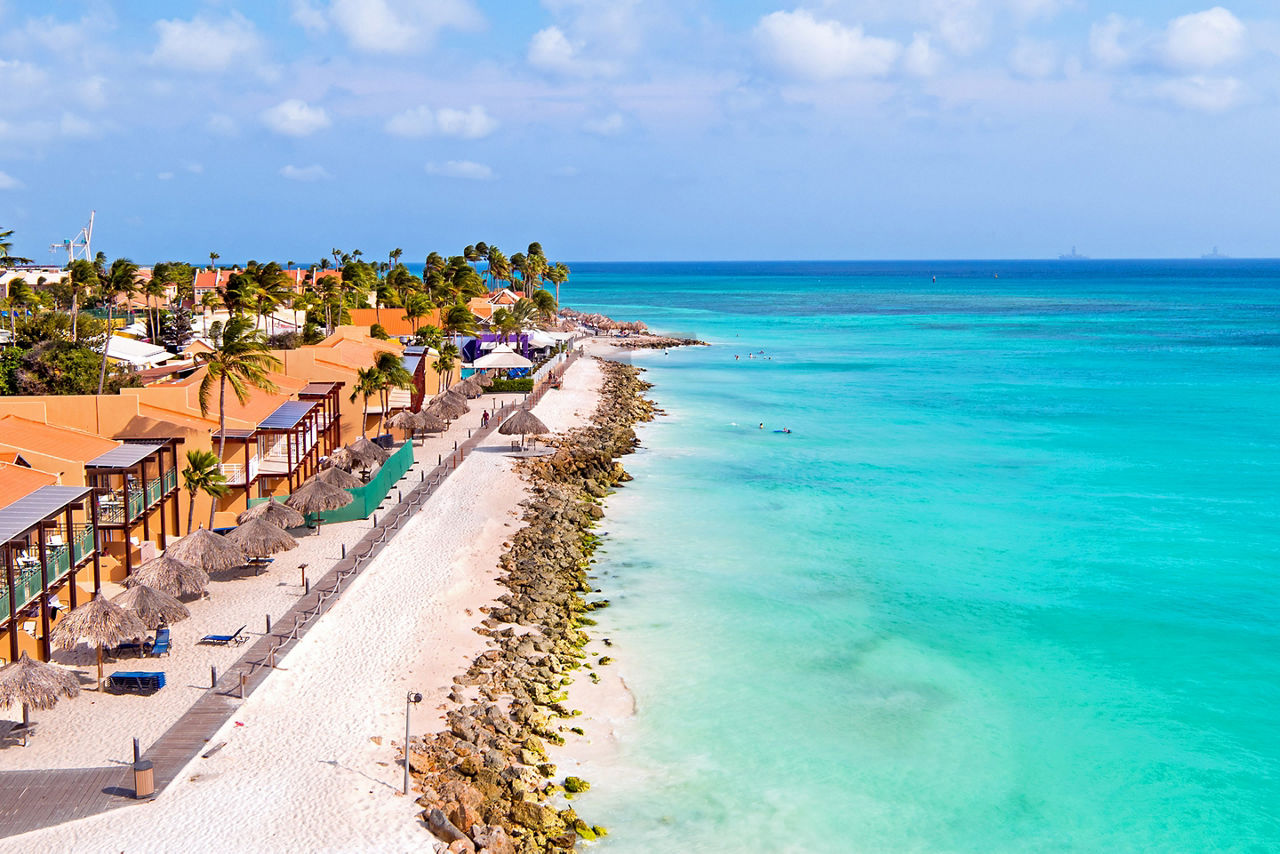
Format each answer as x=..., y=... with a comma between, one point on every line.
x=1074, y=256
x=1214, y=255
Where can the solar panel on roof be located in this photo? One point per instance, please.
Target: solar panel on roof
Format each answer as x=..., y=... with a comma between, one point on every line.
x=123, y=457
x=287, y=415
x=29, y=511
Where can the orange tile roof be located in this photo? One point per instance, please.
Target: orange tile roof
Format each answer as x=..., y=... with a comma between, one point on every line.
x=189, y=421
x=11, y=457
x=61, y=442
x=17, y=481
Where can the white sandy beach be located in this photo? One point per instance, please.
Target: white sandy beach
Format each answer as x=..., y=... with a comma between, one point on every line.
x=309, y=761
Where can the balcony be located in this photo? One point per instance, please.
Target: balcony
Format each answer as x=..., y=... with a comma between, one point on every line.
x=58, y=561
x=235, y=472
x=111, y=505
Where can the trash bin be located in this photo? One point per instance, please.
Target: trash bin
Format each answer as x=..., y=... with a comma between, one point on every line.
x=144, y=779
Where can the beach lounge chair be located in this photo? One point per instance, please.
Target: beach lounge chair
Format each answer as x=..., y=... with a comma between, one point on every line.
x=145, y=682
x=160, y=646
x=223, y=640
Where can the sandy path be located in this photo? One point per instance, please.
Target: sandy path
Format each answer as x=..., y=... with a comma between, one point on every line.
x=303, y=768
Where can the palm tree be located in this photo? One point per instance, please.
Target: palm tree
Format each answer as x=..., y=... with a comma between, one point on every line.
x=505, y=322
x=557, y=274
x=416, y=306
x=240, y=358
x=368, y=383
x=391, y=374
x=458, y=320
x=499, y=267
x=6, y=246
x=121, y=281
x=20, y=296
x=203, y=474
x=213, y=260
x=271, y=291
x=545, y=303
x=155, y=288
x=445, y=361
x=329, y=288
x=83, y=278
x=209, y=302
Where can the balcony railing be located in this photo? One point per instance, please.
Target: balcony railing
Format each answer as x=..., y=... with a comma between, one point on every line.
x=234, y=472
x=58, y=560
x=111, y=506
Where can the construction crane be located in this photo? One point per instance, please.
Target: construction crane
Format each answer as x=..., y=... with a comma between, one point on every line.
x=77, y=246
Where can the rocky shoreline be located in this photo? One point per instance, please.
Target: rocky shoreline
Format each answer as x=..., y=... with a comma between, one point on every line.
x=654, y=342
x=486, y=782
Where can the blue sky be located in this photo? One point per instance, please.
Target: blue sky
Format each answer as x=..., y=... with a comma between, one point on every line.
x=643, y=129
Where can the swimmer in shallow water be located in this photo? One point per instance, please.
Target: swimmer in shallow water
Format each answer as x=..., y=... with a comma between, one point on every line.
x=761, y=425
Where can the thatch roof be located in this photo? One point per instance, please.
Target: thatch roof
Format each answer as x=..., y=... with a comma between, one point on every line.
x=260, y=538
x=207, y=550
x=274, y=512
x=483, y=379
x=403, y=420
x=525, y=423
x=35, y=683
x=153, y=607
x=339, y=478
x=170, y=575
x=342, y=459
x=367, y=453
x=316, y=496
x=430, y=422
x=448, y=408
x=99, y=622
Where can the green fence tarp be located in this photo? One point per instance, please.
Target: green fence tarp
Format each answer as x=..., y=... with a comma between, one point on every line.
x=368, y=497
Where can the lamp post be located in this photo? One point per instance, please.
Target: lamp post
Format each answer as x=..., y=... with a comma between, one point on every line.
x=411, y=699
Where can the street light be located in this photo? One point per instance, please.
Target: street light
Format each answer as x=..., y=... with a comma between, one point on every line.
x=410, y=700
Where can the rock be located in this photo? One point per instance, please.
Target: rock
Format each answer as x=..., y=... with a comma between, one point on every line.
x=461, y=803
x=575, y=785
x=462, y=846
x=444, y=829
x=493, y=839
x=537, y=817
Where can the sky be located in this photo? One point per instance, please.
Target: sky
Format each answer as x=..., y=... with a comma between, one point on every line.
x=642, y=129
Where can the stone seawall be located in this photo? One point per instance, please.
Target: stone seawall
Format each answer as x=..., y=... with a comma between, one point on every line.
x=486, y=782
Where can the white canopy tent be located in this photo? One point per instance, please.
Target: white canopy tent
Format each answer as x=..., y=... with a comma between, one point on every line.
x=502, y=357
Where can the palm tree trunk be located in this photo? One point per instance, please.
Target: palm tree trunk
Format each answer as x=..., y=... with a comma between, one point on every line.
x=102, y=374
x=365, y=421
x=75, y=316
x=191, y=512
x=222, y=441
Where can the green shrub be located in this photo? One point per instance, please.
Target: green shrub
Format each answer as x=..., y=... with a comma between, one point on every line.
x=501, y=386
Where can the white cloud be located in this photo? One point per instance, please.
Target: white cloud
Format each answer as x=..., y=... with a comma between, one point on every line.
x=550, y=50
x=609, y=125
x=295, y=117
x=963, y=25
x=71, y=125
x=202, y=44
x=1029, y=9
x=1034, y=59
x=1115, y=41
x=193, y=168
x=801, y=45
x=1203, y=40
x=315, y=172
x=566, y=172
x=472, y=123
x=467, y=169
x=308, y=17
x=1206, y=94
x=389, y=26
x=8, y=182
x=921, y=58
x=164, y=176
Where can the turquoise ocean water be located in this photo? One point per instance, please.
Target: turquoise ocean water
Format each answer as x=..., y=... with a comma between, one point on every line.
x=1009, y=585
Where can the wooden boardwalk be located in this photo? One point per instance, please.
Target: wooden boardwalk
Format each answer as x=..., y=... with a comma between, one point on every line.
x=30, y=800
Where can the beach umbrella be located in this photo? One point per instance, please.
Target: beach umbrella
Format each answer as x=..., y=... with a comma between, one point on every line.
x=366, y=453
x=274, y=512
x=341, y=459
x=260, y=538
x=339, y=478
x=208, y=551
x=470, y=386
x=484, y=380
x=430, y=422
x=404, y=420
x=153, y=607
x=35, y=683
x=316, y=497
x=524, y=423
x=99, y=623
x=170, y=575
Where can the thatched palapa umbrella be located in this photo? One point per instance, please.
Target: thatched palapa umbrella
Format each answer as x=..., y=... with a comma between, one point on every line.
x=260, y=538
x=340, y=459
x=170, y=575
x=153, y=607
x=207, y=550
x=339, y=478
x=430, y=422
x=524, y=423
x=99, y=623
x=315, y=497
x=449, y=406
x=484, y=379
x=274, y=512
x=366, y=453
x=35, y=683
x=404, y=420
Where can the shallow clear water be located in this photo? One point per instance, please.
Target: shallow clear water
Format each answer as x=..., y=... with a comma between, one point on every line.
x=1010, y=584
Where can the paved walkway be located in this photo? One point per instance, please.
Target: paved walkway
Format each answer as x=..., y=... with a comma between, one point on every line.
x=30, y=800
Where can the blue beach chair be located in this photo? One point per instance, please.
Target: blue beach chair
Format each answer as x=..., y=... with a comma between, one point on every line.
x=145, y=682
x=223, y=640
